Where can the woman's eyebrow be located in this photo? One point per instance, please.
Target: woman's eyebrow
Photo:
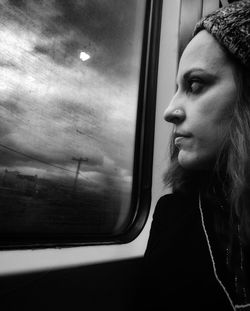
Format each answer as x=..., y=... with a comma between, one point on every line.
x=192, y=71
x=189, y=73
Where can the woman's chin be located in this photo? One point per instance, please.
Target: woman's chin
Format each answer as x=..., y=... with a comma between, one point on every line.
x=191, y=161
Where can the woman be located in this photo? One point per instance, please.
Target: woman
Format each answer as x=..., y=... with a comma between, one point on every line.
x=198, y=254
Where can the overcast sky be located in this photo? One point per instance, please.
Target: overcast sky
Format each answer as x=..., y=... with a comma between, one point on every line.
x=54, y=106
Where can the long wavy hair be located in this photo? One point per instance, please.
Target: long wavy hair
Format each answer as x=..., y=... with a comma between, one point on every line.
x=232, y=166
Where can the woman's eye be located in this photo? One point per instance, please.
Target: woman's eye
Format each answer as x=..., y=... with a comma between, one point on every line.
x=194, y=86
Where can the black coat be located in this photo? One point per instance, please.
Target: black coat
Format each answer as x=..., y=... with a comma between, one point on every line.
x=178, y=269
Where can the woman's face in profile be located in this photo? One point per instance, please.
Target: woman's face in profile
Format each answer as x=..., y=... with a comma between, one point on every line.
x=200, y=109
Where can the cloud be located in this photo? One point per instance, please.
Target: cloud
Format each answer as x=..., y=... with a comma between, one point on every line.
x=55, y=107
x=104, y=29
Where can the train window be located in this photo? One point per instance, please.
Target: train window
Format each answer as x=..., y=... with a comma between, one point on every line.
x=73, y=109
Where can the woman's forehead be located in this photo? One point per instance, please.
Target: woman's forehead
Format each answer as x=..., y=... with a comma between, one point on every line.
x=203, y=52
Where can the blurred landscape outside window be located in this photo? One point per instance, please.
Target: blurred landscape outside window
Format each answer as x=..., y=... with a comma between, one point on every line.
x=68, y=102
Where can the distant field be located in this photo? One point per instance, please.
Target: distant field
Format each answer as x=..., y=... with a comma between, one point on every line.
x=61, y=215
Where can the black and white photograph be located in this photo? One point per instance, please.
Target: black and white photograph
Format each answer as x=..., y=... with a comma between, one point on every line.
x=125, y=155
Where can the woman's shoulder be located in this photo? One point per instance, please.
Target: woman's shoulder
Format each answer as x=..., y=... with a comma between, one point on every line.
x=176, y=221
x=175, y=204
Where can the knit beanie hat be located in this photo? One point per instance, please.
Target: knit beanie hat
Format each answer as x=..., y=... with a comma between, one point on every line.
x=230, y=25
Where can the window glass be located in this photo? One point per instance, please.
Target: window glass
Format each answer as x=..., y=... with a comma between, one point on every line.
x=68, y=101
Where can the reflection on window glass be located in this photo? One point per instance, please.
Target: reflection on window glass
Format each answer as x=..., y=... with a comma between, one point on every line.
x=68, y=100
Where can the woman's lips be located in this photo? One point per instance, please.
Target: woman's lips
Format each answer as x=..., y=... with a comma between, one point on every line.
x=180, y=138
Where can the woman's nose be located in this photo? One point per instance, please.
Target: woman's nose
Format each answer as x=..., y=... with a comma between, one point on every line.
x=174, y=115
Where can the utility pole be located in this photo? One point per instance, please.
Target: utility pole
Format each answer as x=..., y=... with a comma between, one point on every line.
x=79, y=160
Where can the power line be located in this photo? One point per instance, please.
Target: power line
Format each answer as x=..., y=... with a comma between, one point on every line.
x=85, y=177
x=39, y=160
